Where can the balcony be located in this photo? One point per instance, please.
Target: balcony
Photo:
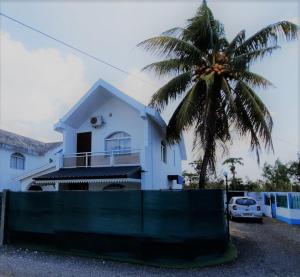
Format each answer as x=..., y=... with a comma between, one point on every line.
x=101, y=159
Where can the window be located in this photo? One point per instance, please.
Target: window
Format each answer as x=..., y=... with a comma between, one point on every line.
x=295, y=201
x=245, y=201
x=267, y=200
x=17, y=161
x=163, y=152
x=281, y=201
x=119, y=142
x=174, y=158
x=114, y=187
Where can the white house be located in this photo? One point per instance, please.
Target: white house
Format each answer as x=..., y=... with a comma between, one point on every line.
x=111, y=141
x=19, y=154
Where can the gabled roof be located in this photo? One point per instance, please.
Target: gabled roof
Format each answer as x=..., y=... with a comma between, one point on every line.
x=18, y=143
x=100, y=92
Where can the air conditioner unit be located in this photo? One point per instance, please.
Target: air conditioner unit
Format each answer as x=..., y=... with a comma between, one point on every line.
x=97, y=121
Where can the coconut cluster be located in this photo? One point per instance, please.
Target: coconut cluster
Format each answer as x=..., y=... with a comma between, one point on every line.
x=219, y=67
x=205, y=70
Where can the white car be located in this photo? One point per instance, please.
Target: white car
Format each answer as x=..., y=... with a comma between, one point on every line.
x=244, y=207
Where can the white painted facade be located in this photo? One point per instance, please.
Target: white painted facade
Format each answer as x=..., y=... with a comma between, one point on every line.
x=9, y=176
x=121, y=113
x=146, y=129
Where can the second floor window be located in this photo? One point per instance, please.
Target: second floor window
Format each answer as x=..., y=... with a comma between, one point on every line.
x=17, y=161
x=119, y=142
x=163, y=152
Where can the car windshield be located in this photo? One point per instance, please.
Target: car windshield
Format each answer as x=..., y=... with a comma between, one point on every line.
x=245, y=201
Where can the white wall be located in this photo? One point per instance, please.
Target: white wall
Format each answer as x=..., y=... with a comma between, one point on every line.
x=118, y=117
x=27, y=181
x=285, y=214
x=145, y=136
x=158, y=170
x=8, y=175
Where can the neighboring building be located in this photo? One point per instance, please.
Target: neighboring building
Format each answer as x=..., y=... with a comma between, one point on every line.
x=19, y=154
x=284, y=206
x=111, y=141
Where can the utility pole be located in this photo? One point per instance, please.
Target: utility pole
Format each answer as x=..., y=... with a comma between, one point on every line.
x=227, y=202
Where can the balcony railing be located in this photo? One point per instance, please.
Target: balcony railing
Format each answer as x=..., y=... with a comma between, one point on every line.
x=102, y=159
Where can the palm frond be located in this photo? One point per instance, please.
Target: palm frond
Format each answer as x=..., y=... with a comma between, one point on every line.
x=252, y=79
x=252, y=117
x=209, y=81
x=237, y=41
x=203, y=30
x=171, y=47
x=186, y=112
x=171, y=90
x=169, y=67
x=268, y=36
x=177, y=32
x=227, y=90
x=244, y=60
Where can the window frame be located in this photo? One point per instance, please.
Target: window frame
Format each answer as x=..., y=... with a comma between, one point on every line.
x=163, y=152
x=17, y=161
x=120, y=150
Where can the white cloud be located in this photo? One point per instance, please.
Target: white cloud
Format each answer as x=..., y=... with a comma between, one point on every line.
x=37, y=87
x=140, y=85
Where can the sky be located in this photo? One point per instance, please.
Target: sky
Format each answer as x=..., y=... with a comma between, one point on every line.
x=41, y=79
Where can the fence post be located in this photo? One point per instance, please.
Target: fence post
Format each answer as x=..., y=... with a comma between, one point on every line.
x=3, y=238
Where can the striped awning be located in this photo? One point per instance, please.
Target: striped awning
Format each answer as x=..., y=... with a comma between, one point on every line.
x=101, y=181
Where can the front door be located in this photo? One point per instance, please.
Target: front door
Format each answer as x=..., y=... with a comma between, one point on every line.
x=84, y=146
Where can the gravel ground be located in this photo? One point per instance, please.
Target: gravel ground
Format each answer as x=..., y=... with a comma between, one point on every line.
x=268, y=249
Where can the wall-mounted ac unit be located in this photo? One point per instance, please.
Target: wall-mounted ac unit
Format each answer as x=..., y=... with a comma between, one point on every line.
x=97, y=121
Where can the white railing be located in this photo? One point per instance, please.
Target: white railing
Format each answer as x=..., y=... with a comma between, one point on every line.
x=102, y=159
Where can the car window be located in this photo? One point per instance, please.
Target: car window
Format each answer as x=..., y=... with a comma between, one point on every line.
x=231, y=201
x=245, y=201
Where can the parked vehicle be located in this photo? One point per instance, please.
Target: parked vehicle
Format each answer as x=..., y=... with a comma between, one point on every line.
x=244, y=207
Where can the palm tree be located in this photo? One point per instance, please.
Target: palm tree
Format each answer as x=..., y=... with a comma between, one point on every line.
x=211, y=76
x=232, y=162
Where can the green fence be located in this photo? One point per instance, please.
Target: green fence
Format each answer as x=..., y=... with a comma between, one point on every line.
x=0, y=205
x=118, y=223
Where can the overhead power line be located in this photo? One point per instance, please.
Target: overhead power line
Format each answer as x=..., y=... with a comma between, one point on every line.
x=92, y=56
x=76, y=49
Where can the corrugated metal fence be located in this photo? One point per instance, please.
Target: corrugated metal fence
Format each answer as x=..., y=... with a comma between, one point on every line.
x=143, y=223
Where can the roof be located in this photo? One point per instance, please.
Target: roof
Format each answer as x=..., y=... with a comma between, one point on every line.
x=100, y=92
x=37, y=171
x=18, y=143
x=92, y=173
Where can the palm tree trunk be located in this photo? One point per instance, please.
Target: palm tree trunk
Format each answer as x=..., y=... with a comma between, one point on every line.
x=210, y=134
x=203, y=171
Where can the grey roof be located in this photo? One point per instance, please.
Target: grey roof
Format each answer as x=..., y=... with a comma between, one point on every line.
x=18, y=143
x=93, y=173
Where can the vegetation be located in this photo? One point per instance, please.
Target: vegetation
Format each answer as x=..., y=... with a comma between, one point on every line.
x=277, y=177
x=211, y=77
x=232, y=165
